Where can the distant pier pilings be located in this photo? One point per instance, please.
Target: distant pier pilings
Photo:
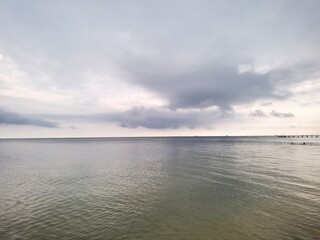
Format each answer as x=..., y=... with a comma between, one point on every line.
x=298, y=136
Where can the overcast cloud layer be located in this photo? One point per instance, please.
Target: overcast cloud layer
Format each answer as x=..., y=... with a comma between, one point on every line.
x=184, y=67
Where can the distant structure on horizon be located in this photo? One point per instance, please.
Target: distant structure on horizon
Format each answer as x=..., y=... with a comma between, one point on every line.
x=297, y=136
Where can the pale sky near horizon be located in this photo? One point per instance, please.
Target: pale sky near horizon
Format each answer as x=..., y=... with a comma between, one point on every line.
x=159, y=68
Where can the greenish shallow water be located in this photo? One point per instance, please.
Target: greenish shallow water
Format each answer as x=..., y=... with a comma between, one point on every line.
x=160, y=188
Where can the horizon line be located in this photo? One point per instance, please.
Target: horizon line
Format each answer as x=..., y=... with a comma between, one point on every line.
x=182, y=136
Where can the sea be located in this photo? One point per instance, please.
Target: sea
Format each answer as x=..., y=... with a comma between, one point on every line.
x=222, y=188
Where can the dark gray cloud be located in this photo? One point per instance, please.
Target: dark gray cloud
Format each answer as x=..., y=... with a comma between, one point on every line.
x=281, y=114
x=220, y=86
x=159, y=118
x=162, y=119
x=152, y=118
x=258, y=113
x=7, y=117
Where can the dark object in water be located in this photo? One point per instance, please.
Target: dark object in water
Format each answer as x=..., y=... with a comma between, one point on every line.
x=294, y=143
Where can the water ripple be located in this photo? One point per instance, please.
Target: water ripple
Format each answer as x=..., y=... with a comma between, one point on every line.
x=159, y=188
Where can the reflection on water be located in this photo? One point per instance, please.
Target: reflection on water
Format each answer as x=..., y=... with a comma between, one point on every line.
x=160, y=188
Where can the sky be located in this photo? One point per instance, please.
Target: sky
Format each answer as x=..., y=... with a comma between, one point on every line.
x=80, y=68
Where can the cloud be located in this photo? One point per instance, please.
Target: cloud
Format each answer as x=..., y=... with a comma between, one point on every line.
x=281, y=115
x=220, y=86
x=162, y=118
x=266, y=104
x=95, y=36
x=178, y=59
x=261, y=114
x=7, y=117
x=151, y=118
x=258, y=113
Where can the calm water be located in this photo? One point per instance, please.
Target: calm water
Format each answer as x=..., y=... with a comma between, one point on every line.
x=160, y=188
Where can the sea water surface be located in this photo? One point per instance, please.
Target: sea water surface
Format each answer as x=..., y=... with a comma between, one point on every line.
x=160, y=188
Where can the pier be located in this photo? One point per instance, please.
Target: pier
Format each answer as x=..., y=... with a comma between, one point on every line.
x=298, y=136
